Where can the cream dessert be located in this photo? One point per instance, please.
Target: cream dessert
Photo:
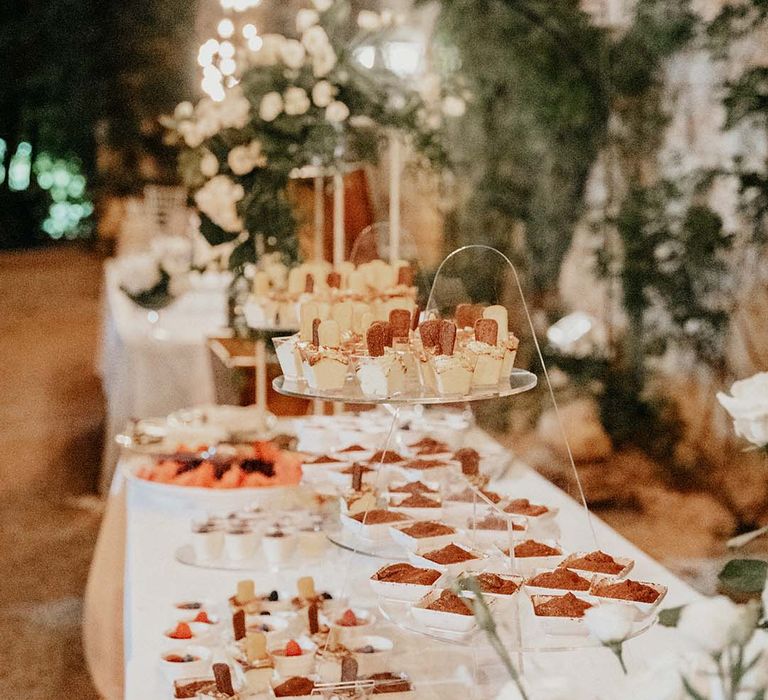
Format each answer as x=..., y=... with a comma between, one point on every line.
x=452, y=370
x=488, y=354
x=324, y=362
x=382, y=371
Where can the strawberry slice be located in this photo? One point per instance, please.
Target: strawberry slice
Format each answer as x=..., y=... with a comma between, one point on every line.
x=348, y=619
x=202, y=616
x=181, y=631
x=292, y=648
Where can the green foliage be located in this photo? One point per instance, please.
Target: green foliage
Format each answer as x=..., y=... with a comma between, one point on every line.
x=158, y=297
x=743, y=576
x=670, y=616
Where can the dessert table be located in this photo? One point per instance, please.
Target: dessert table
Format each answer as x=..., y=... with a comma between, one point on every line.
x=155, y=526
x=150, y=369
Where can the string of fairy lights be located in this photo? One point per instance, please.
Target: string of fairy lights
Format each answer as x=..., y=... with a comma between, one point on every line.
x=217, y=56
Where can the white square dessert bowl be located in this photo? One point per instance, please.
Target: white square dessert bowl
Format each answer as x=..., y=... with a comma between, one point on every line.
x=394, y=694
x=278, y=682
x=558, y=625
x=533, y=589
x=353, y=453
x=442, y=620
x=374, y=530
x=571, y=562
x=429, y=469
x=421, y=511
x=185, y=661
x=475, y=562
x=370, y=477
x=424, y=543
x=642, y=609
x=489, y=530
x=497, y=596
x=526, y=565
x=402, y=590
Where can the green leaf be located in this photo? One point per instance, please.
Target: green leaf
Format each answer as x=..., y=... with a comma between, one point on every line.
x=743, y=576
x=671, y=616
x=759, y=695
x=215, y=235
x=689, y=689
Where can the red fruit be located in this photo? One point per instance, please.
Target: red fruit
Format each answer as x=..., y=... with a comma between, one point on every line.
x=292, y=649
x=182, y=631
x=348, y=619
x=202, y=616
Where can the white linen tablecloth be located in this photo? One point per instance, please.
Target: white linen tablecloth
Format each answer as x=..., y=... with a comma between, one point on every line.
x=151, y=370
x=154, y=579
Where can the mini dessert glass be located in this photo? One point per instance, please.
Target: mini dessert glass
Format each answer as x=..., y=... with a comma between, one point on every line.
x=279, y=545
x=240, y=540
x=207, y=539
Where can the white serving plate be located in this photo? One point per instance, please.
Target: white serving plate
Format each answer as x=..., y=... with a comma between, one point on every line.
x=566, y=626
x=439, y=620
x=475, y=564
x=409, y=592
x=624, y=561
x=642, y=610
x=421, y=544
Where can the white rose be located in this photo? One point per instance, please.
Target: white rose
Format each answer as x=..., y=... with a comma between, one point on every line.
x=611, y=622
x=217, y=199
x=748, y=406
x=711, y=623
x=191, y=134
x=209, y=164
x=184, y=110
x=270, y=51
x=271, y=106
x=368, y=21
x=138, y=273
x=336, y=112
x=243, y=159
x=324, y=62
x=292, y=53
x=315, y=40
x=296, y=101
x=322, y=5
x=746, y=623
x=322, y=93
x=306, y=18
x=234, y=109
x=454, y=106
x=661, y=681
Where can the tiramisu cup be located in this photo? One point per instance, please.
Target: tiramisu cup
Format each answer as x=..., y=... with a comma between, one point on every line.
x=506, y=340
x=207, y=540
x=489, y=356
x=325, y=364
x=240, y=540
x=453, y=370
x=382, y=371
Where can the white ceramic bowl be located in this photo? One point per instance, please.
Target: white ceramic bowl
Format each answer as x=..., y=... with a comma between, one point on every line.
x=376, y=661
x=174, y=670
x=558, y=626
x=409, y=592
x=201, y=635
x=475, y=564
x=288, y=666
x=642, y=610
x=348, y=635
x=420, y=513
x=502, y=597
x=439, y=620
x=543, y=591
x=276, y=626
x=421, y=544
x=378, y=531
x=527, y=565
x=625, y=562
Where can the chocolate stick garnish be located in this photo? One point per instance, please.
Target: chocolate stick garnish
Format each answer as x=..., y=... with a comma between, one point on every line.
x=405, y=276
x=309, y=283
x=238, y=624
x=447, y=337
x=387, y=333
x=415, y=317
x=333, y=280
x=314, y=624
x=400, y=321
x=469, y=460
x=374, y=338
x=223, y=678
x=348, y=669
x=430, y=333
x=486, y=331
x=357, y=477
x=315, y=332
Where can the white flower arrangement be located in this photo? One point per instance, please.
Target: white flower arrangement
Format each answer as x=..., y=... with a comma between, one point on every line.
x=217, y=199
x=747, y=404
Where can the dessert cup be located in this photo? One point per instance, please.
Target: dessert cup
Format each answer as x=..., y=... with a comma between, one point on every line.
x=381, y=376
x=441, y=620
x=274, y=627
x=532, y=590
x=325, y=369
x=453, y=374
x=370, y=531
x=207, y=540
x=276, y=686
x=403, y=591
x=502, y=598
x=258, y=675
x=288, y=666
x=287, y=351
x=625, y=563
x=240, y=541
x=476, y=563
x=555, y=625
x=372, y=653
x=489, y=360
x=279, y=546
x=642, y=610
x=348, y=635
x=418, y=513
x=199, y=664
x=420, y=544
x=526, y=566
x=189, y=687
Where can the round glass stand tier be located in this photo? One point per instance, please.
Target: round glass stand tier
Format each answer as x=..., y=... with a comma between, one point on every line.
x=519, y=381
x=518, y=627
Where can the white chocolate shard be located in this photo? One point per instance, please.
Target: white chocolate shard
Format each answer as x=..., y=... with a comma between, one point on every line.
x=329, y=334
x=499, y=314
